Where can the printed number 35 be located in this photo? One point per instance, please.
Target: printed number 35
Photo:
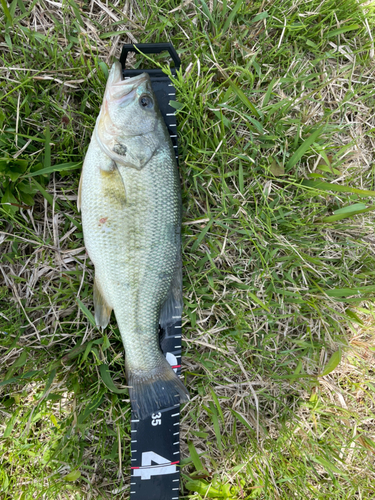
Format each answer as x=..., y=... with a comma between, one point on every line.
x=156, y=420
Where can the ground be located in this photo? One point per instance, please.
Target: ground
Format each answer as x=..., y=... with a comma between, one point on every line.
x=277, y=154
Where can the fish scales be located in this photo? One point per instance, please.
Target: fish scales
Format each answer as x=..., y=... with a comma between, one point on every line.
x=131, y=215
x=136, y=279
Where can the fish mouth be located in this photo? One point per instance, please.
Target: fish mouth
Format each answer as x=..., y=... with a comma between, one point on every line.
x=124, y=91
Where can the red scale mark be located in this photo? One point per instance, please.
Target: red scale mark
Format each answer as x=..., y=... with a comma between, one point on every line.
x=176, y=366
x=158, y=465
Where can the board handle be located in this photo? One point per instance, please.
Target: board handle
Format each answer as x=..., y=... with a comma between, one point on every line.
x=150, y=48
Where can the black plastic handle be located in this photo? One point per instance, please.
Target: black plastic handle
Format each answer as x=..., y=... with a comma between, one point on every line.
x=150, y=48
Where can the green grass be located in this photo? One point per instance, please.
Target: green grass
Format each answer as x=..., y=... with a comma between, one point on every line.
x=277, y=140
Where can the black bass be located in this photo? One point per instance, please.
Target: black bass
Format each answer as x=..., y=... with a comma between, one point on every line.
x=130, y=199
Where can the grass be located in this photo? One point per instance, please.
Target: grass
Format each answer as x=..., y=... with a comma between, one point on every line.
x=276, y=129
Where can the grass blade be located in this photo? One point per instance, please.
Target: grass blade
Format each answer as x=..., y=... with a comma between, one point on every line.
x=216, y=400
x=195, y=457
x=206, y=10
x=243, y=421
x=327, y=186
x=9, y=427
x=351, y=208
x=13, y=380
x=108, y=382
x=329, y=466
x=51, y=377
x=303, y=148
x=86, y=312
x=47, y=148
x=244, y=99
x=348, y=212
x=72, y=476
x=6, y=11
x=202, y=235
x=73, y=353
x=46, y=195
x=340, y=31
x=216, y=425
x=55, y=168
x=269, y=91
x=333, y=362
x=232, y=15
x=240, y=177
x=91, y=407
x=77, y=13
x=258, y=301
x=347, y=292
x=21, y=360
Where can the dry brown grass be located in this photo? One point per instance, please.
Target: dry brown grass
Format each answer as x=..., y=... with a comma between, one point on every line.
x=262, y=417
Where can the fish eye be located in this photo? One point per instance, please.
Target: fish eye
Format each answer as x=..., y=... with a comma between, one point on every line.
x=146, y=102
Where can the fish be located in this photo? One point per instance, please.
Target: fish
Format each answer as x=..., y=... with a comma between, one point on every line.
x=130, y=199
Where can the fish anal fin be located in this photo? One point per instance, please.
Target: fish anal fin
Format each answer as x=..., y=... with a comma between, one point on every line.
x=102, y=309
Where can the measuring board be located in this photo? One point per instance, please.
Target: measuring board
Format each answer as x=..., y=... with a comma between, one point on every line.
x=155, y=441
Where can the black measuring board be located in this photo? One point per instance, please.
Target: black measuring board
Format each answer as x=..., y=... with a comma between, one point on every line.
x=155, y=441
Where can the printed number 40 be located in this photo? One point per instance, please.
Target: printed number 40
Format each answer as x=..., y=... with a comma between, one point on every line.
x=146, y=473
x=156, y=420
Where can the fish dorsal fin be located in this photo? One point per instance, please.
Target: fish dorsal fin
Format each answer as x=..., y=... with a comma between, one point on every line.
x=102, y=309
x=172, y=307
x=79, y=199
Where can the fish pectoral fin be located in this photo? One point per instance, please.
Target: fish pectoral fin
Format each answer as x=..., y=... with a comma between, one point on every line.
x=102, y=309
x=79, y=199
x=113, y=186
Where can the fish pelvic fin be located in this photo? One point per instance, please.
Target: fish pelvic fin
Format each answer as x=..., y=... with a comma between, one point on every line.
x=102, y=309
x=155, y=390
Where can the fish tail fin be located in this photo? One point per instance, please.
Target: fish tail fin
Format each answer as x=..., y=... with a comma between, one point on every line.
x=154, y=390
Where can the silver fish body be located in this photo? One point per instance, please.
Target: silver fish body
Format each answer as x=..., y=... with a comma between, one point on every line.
x=131, y=216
